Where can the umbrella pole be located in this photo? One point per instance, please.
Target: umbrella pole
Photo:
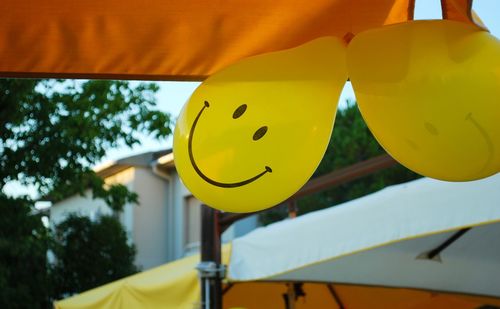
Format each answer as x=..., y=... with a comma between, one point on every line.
x=210, y=269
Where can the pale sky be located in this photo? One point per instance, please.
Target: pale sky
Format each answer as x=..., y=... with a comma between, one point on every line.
x=173, y=95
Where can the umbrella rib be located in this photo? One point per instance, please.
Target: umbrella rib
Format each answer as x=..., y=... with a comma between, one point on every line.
x=335, y=296
x=436, y=251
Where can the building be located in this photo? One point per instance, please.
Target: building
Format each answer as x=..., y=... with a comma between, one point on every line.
x=165, y=225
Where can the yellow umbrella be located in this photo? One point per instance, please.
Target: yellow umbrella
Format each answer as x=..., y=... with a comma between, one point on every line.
x=173, y=285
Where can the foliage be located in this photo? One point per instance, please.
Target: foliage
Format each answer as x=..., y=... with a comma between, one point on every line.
x=23, y=248
x=51, y=133
x=89, y=254
x=351, y=142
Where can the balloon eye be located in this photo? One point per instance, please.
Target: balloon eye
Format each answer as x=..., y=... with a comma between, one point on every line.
x=259, y=133
x=239, y=111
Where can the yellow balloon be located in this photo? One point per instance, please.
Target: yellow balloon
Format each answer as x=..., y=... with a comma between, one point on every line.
x=430, y=93
x=252, y=134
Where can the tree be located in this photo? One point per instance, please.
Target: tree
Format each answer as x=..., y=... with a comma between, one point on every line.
x=23, y=249
x=351, y=142
x=89, y=254
x=51, y=133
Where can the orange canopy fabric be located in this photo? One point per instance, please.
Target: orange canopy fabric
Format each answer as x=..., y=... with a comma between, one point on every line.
x=459, y=10
x=266, y=295
x=176, y=40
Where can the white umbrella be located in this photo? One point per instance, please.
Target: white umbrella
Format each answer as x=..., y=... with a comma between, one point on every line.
x=425, y=234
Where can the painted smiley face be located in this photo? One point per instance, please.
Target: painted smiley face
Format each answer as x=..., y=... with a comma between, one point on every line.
x=252, y=134
x=259, y=133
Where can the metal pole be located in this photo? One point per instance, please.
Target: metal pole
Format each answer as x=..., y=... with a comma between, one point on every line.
x=210, y=269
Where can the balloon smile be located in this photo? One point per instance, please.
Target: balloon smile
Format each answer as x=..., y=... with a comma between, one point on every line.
x=208, y=179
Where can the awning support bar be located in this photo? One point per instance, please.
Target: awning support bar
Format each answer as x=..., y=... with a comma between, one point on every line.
x=336, y=296
x=436, y=251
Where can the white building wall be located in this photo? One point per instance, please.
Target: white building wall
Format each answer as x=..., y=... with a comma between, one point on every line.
x=126, y=178
x=150, y=219
x=178, y=219
x=145, y=224
x=81, y=205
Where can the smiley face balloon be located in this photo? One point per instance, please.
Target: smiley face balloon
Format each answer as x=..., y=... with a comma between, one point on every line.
x=252, y=134
x=430, y=93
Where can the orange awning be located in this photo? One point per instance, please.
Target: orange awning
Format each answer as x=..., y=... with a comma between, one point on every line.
x=324, y=295
x=176, y=40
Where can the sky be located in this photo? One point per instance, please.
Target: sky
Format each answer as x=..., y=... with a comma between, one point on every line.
x=173, y=95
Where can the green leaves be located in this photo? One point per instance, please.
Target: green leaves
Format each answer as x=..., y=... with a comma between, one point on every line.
x=24, y=241
x=51, y=133
x=89, y=254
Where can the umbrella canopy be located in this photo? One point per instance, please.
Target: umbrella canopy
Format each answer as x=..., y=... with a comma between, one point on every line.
x=407, y=246
x=425, y=234
x=177, y=40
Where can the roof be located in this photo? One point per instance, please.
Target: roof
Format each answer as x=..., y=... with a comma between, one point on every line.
x=110, y=168
x=166, y=162
x=140, y=160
